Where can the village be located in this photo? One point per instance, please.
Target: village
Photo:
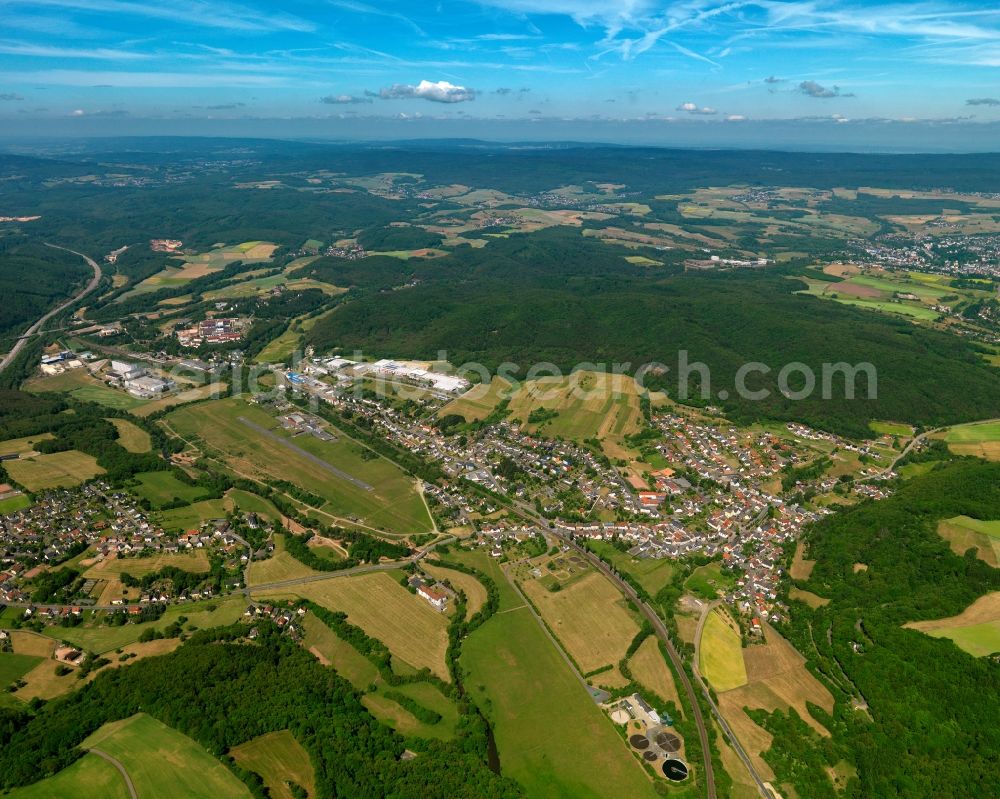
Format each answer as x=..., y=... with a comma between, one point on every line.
x=721, y=496
x=93, y=520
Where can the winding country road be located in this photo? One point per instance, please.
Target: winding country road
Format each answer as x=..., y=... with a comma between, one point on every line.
x=121, y=770
x=22, y=340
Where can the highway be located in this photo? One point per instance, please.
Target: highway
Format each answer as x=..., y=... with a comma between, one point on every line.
x=19, y=344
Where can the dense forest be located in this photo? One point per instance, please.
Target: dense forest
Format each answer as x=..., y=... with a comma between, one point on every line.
x=33, y=278
x=930, y=727
x=556, y=297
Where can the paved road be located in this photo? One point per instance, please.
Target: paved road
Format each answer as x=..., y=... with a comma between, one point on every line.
x=19, y=344
x=121, y=770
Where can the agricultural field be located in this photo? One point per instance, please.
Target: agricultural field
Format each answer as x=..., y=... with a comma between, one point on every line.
x=227, y=429
x=376, y=602
x=975, y=630
x=194, y=561
x=144, y=409
x=963, y=533
x=586, y=404
x=802, y=567
x=100, y=638
x=482, y=562
x=428, y=696
x=191, y=516
x=589, y=618
x=776, y=679
x=54, y=470
x=21, y=446
x=14, y=503
x=280, y=760
x=649, y=667
x=14, y=666
x=280, y=566
x=720, y=653
x=198, y=265
x=281, y=349
x=808, y=597
x=131, y=436
x=479, y=401
x=333, y=651
x=981, y=439
x=164, y=763
x=891, y=429
x=551, y=736
x=252, y=503
x=90, y=777
x=850, y=292
x=162, y=488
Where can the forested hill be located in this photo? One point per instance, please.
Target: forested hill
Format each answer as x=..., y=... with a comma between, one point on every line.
x=530, y=167
x=33, y=279
x=557, y=297
x=223, y=693
x=930, y=728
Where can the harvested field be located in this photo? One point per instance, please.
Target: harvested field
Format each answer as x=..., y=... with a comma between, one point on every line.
x=808, y=597
x=55, y=470
x=194, y=561
x=279, y=759
x=130, y=436
x=333, y=651
x=777, y=678
x=34, y=644
x=589, y=617
x=855, y=290
x=753, y=738
x=801, y=568
x=280, y=566
x=963, y=533
x=841, y=270
x=376, y=602
x=975, y=630
x=981, y=440
x=650, y=668
x=23, y=445
x=478, y=401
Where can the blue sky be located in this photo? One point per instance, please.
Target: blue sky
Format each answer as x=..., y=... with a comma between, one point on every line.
x=347, y=67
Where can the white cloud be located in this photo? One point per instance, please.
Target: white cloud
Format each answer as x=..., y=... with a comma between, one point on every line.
x=437, y=92
x=695, y=110
x=344, y=99
x=47, y=51
x=216, y=14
